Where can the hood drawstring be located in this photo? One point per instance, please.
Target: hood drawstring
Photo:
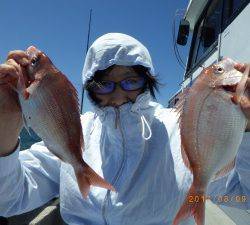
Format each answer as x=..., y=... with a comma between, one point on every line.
x=143, y=123
x=142, y=102
x=93, y=124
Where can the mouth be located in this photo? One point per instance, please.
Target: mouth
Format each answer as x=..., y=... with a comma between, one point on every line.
x=230, y=88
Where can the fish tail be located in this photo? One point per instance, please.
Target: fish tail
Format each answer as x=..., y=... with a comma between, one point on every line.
x=86, y=176
x=194, y=204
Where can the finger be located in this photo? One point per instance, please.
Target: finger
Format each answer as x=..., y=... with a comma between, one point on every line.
x=8, y=73
x=12, y=62
x=19, y=56
x=7, y=69
x=240, y=67
x=245, y=103
x=245, y=106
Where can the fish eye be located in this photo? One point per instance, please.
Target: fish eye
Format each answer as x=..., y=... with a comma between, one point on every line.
x=219, y=70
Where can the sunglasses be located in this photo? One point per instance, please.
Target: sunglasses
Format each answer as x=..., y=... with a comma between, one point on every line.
x=128, y=84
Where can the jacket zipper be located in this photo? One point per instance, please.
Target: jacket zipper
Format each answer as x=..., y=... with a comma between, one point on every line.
x=107, y=196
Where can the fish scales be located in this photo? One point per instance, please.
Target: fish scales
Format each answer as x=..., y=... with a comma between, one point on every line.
x=56, y=114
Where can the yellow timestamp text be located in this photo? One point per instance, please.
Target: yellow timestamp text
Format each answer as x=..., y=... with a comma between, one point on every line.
x=219, y=198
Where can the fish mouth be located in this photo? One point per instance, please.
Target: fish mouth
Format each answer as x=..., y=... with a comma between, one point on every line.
x=230, y=88
x=32, y=51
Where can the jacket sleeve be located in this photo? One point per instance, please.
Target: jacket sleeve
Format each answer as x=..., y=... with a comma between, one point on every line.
x=234, y=188
x=28, y=179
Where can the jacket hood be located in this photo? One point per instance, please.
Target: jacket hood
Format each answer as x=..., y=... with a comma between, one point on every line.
x=115, y=49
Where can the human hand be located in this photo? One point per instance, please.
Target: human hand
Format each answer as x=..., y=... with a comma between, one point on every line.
x=10, y=110
x=245, y=100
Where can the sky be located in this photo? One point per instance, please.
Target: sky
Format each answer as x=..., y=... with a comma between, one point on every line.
x=60, y=27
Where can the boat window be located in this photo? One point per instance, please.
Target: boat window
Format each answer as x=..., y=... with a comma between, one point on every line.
x=207, y=31
x=231, y=9
x=208, y=28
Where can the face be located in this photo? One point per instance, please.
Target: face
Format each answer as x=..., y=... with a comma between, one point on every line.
x=119, y=96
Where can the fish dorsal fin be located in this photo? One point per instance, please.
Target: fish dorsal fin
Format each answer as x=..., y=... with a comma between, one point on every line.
x=185, y=158
x=225, y=170
x=71, y=88
x=68, y=89
x=178, y=108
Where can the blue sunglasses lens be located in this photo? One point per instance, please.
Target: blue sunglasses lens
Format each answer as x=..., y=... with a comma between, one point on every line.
x=104, y=87
x=132, y=84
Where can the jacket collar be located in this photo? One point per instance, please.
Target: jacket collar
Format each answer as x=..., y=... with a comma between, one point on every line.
x=141, y=103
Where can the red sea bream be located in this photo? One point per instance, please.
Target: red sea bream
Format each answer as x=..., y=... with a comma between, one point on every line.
x=49, y=103
x=212, y=125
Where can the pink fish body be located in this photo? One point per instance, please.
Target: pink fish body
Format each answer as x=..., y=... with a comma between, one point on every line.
x=50, y=106
x=211, y=127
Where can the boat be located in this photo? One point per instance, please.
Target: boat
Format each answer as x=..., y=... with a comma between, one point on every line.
x=217, y=29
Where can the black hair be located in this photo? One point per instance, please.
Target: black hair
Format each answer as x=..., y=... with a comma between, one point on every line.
x=151, y=84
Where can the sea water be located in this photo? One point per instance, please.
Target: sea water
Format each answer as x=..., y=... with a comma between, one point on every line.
x=28, y=138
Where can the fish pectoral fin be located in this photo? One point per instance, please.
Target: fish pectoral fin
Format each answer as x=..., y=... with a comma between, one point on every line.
x=194, y=205
x=225, y=170
x=31, y=89
x=234, y=99
x=86, y=176
x=26, y=94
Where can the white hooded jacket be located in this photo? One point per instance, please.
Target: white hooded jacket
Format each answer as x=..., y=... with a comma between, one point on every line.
x=136, y=148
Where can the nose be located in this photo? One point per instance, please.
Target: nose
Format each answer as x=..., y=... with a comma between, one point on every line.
x=118, y=97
